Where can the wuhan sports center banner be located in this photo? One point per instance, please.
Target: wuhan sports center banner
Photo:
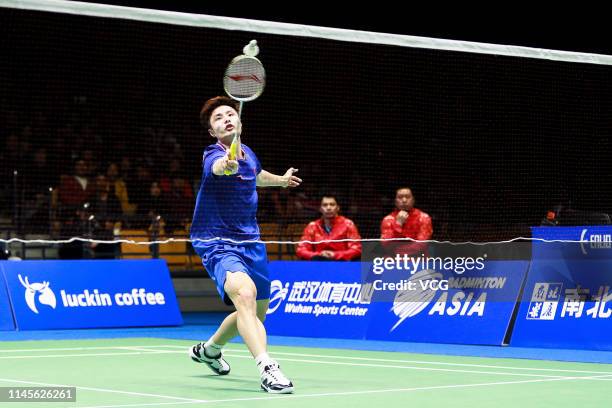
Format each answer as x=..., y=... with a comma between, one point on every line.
x=353, y=301
x=87, y=294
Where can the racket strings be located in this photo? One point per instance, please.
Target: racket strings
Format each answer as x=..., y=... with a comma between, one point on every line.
x=245, y=79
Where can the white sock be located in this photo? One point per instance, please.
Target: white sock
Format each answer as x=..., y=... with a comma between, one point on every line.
x=212, y=348
x=263, y=360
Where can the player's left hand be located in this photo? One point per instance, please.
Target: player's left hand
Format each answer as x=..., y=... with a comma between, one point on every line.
x=289, y=180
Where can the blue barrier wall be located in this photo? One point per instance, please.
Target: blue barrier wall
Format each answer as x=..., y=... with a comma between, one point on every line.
x=6, y=311
x=87, y=294
x=567, y=301
x=329, y=299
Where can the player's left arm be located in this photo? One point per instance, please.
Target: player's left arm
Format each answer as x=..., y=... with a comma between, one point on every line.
x=267, y=179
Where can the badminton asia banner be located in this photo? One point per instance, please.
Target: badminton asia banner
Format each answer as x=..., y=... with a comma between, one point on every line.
x=567, y=301
x=6, y=315
x=444, y=306
x=334, y=299
x=90, y=294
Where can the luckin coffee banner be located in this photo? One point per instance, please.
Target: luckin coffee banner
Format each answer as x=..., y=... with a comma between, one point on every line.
x=89, y=294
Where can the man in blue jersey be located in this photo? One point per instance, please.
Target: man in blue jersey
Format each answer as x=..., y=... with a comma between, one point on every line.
x=224, y=218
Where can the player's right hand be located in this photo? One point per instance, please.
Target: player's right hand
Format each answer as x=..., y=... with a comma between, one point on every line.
x=229, y=166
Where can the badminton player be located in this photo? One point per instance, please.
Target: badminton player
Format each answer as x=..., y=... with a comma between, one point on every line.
x=223, y=219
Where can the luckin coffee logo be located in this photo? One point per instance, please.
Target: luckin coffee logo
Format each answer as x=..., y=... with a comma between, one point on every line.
x=40, y=291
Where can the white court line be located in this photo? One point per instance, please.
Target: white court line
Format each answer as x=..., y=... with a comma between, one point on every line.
x=288, y=359
x=191, y=401
x=88, y=355
x=450, y=370
x=147, y=347
x=346, y=393
x=148, y=350
x=76, y=348
x=426, y=362
x=140, y=394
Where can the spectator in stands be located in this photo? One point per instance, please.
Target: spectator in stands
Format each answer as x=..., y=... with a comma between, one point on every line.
x=154, y=206
x=285, y=205
x=106, y=210
x=11, y=157
x=174, y=171
x=39, y=175
x=103, y=228
x=76, y=222
x=37, y=178
x=76, y=190
x=96, y=219
x=179, y=201
x=105, y=205
x=112, y=174
x=406, y=222
x=89, y=156
x=139, y=186
x=330, y=226
x=125, y=169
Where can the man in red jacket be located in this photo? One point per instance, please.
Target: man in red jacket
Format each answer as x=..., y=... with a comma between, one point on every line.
x=406, y=222
x=330, y=226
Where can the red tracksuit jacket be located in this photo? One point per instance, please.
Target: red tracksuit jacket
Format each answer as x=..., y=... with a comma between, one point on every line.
x=342, y=228
x=417, y=226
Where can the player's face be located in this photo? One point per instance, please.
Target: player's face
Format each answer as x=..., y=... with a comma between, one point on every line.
x=329, y=207
x=224, y=123
x=404, y=199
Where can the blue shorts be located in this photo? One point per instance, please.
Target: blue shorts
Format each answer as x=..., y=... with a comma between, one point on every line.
x=221, y=257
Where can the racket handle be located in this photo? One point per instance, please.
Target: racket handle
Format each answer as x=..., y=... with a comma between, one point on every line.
x=234, y=150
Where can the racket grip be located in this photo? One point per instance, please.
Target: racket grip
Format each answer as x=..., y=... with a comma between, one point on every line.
x=233, y=152
x=226, y=171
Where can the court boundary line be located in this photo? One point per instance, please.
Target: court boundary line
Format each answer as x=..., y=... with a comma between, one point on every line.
x=133, y=353
x=448, y=370
x=96, y=389
x=146, y=349
x=184, y=400
x=331, y=394
x=290, y=359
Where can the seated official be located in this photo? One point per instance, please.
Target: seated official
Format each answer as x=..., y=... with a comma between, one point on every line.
x=406, y=221
x=330, y=226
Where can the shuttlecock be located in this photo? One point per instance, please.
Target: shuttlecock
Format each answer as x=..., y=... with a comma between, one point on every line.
x=251, y=49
